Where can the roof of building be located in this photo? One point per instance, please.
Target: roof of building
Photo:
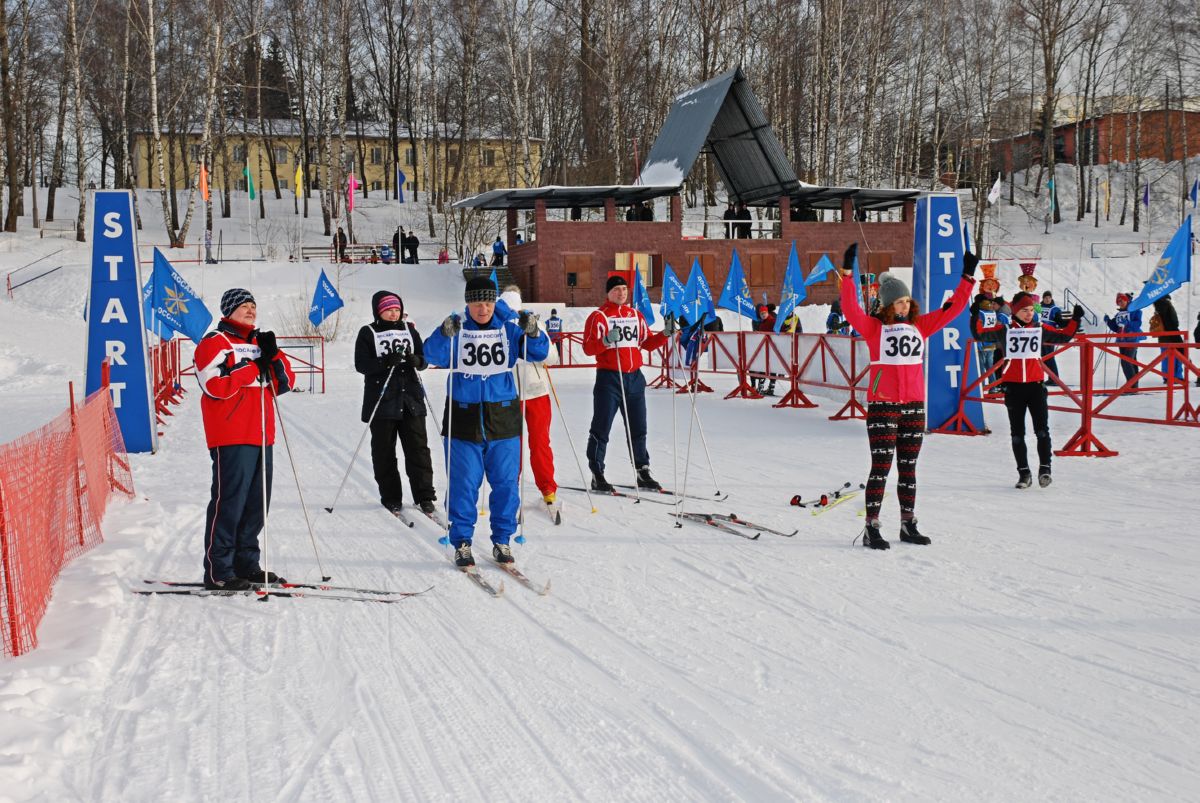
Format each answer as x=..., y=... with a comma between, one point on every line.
x=558, y=197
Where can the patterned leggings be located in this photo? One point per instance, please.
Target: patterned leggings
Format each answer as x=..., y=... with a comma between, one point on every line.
x=898, y=429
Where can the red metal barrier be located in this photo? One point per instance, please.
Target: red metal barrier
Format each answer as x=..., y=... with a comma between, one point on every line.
x=55, y=484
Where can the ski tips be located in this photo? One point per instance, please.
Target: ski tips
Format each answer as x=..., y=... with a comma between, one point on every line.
x=323, y=578
x=593, y=510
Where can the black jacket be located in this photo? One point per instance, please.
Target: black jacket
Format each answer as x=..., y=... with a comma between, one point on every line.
x=403, y=395
x=1170, y=320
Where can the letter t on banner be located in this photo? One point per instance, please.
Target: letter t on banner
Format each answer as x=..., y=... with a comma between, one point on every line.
x=115, y=325
x=938, y=247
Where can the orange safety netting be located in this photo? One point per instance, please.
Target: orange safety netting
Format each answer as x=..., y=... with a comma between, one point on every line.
x=55, y=483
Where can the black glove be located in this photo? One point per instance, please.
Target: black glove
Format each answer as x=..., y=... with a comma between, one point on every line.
x=970, y=263
x=268, y=349
x=397, y=359
x=528, y=322
x=1077, y=313
x=848, y=257
x=264, y=366
x=451, y=326
x=949, y=303
x=1107, y=319
x=669, y=325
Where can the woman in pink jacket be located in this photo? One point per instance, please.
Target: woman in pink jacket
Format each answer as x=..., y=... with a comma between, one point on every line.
x=896, y=338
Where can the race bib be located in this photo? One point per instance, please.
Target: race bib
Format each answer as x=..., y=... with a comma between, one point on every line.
x=1024, y=343
x=245, y=351
x=482, y=352
x=627, y=332
x=901, y=344
x=1121, y=319
x=393, y=341
x=987, y=318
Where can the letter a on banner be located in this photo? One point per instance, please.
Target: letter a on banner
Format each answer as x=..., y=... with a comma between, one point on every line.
x=938, y=247
x=115, y=325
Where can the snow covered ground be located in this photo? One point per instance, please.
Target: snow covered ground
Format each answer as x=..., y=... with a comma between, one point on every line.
x=1044, y=647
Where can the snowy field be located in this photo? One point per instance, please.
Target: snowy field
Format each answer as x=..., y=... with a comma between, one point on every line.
x=1044, y=647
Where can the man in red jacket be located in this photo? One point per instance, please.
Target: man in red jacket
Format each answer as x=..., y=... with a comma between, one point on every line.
x=233, y=365
x=613, y=335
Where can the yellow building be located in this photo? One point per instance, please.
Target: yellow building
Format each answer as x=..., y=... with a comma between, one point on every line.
x=490, y=162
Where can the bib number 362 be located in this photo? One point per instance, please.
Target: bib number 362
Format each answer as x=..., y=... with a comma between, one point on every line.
x=901, y=345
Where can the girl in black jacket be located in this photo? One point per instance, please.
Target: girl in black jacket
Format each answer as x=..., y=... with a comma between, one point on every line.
x=388, y=353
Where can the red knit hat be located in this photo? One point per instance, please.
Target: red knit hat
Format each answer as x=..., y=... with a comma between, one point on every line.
x=1021, y=301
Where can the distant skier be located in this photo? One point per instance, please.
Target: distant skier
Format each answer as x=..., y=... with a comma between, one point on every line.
x=233, y=364
x=1022, y=343
x=1126, y=323
x=482, y=425
x=896, y=386
x=389, y=353
x=554, y=328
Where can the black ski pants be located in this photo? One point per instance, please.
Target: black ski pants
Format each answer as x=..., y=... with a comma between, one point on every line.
x=1019, y=398
x=418, y=465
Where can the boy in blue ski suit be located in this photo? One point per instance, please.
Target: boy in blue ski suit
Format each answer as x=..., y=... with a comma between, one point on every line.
x=482, y=425
x=1126, y=323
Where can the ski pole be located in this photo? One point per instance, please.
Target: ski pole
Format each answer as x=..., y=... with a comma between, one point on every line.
x=570, y=440
x=520, y=539
x=303, y=507
x=637, y=491
x=361, y=438
x=449, y=441
x=264, y=381
x=700, y=427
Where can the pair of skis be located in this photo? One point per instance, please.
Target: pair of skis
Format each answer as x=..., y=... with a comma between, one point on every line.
x=262, y=591
x=725, y=522
x=512, y=571
x=828, y=500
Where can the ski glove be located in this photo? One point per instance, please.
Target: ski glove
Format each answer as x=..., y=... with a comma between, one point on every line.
x=268, y=348
x=1077, y=313
x=528, y=321
x=669, y=325
x=451, y=326
x=264, y=367
x=612, y=337
x=1107, y=319
x=397, y=359
x=848, y=257
x=970, y=263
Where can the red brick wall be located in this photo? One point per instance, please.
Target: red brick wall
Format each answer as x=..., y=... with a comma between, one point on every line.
x=539, y=265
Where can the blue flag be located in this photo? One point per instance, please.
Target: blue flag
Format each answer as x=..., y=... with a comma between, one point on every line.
x=641, y=299
x=495, y=280
x=821, y=272
x=692, y=340
x=736, y=293
x=1146, y=196
x=1195, y=193
x=697, y=298
x=153, y=324
x=325, y=300
x=672, y=293
x=1173, y=269
x=793, y=291
x=400, y=180
x=174, y=304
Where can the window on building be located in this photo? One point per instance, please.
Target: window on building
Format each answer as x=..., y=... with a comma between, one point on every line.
x=376, y=156
x=411, y=186
x=762, y=270
x=489, y=157
x=408, y=156
x=281, y=156
x=452, y=157
x=194, y=153
x=282, y=183
x=239, y=153
x=312, y=154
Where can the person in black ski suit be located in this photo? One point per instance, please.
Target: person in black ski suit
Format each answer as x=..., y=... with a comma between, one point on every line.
x=388, y=353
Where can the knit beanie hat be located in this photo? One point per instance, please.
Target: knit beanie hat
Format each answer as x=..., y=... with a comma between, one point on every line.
x=1021, y=301
x=234, y=298
x=480, y=289
x=616, y=280
x=892, y=289
x=388, y=302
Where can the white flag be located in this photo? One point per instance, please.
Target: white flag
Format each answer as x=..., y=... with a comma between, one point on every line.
x=994, y=194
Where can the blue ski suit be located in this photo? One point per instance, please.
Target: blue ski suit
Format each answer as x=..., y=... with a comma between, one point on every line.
x=481, y=429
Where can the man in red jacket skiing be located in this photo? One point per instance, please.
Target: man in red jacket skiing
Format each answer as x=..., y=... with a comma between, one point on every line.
x=613, y=335
x=234, y=365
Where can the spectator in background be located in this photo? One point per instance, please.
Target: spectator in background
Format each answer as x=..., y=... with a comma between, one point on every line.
x=411, y=244
x=397, y=240
x=554, y=328
x=520, y=239
x=498, y=253
x=1126, y=323
x=576, y=212
x=339, y=244
x=746, y=227
x=632, y=214
x=729, y=216
x=478, y=261
x=646, y=211
x=1168, y=320
x=835, y=322
x=1050, y=313
x=443, y=256
x=208, y=257
x=765, y=323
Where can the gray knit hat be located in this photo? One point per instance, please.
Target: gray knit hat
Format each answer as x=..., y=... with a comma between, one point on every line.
x=234, y=298
x=892, y=289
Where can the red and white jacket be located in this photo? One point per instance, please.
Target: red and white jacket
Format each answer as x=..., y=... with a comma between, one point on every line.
x=625, y=355
x=892, y=381
x=1022, y=346
x=232, y=395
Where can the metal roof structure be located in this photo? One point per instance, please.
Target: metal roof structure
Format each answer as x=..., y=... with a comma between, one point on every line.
x=558, y=197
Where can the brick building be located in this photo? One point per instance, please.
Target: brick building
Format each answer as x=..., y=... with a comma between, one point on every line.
x=1166, y=135
x=567, y=255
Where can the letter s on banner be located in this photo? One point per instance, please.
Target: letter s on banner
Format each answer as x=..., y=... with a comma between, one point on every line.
x=116, y=328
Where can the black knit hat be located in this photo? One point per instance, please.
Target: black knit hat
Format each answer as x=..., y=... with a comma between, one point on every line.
x=234, y=298
x=479, y=289
x=616, y=280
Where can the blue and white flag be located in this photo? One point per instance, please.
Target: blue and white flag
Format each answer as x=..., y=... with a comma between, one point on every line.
x=174, y=304
x=697, y=298
x=400, y=180
x=793, y=291
x=1173, y=269
x=736, y=293
x=153, y=324
x=325, y=300
x=821, y=272
x=641, y=299
x=672, y=293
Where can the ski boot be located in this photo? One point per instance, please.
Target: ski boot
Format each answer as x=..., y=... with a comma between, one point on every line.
x=600, y=484
x=502, y=553
x=1025, y=480
x=645, y=481
x=428, y=507
x=909, y=533
x=463, y=558
x=260, y=577
x=872, y=538
x=232, y=584
x=1043, y=476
